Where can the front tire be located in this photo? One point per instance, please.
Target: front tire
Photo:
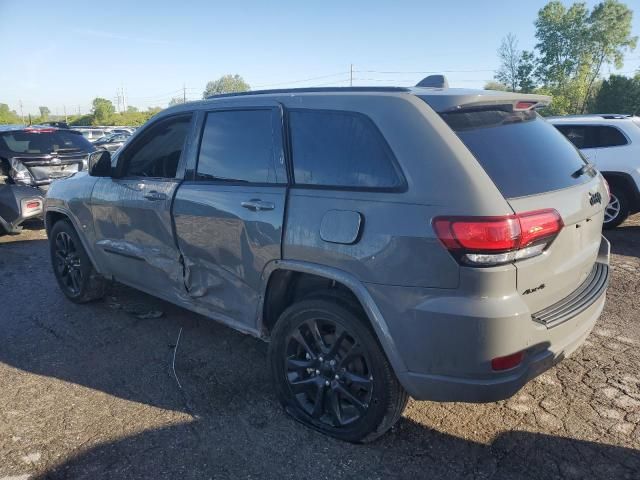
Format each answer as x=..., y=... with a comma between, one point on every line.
x=331, y=374
x=617, y=210
x=72, y=267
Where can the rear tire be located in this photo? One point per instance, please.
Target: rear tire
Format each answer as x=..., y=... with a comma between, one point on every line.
x=617, y=210
x=331, y=374
x=72, y=267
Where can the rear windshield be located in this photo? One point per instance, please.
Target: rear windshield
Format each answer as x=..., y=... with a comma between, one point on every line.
x=60, y=141
x=521, y=152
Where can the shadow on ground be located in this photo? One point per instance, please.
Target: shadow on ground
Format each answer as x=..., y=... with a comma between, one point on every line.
x=237, y=428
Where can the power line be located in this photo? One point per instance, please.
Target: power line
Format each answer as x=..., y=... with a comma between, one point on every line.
x=300, y=80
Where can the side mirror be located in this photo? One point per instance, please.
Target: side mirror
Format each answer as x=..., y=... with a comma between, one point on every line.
x=99, y=164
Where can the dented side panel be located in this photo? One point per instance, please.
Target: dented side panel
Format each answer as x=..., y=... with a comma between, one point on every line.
x=134, y=233
x=226, y=245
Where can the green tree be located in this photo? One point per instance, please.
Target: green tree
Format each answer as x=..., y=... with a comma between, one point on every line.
x=609, y=38
x=526, y=72
x=491, y=85
x=8, y=116
x=102, y=110
x=226, y=84
x=44, y=113
x=618, y=94
x=574, y=45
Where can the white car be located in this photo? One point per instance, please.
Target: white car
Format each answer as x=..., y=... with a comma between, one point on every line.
x=612, y=143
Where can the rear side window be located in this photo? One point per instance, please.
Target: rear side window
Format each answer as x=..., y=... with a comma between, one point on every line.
x=242, y=146
x=611, y=137
x=59, y=141
x=521, y=152
x=340, y=149
x=593, y=136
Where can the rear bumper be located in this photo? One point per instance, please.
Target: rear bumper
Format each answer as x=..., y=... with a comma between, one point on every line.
x=561, y=343
x=16, y=208
x=447, y=342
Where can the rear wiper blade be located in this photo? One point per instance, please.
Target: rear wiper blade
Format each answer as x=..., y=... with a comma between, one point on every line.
x=586, y=168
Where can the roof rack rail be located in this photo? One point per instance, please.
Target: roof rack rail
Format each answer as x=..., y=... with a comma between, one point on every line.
x=310, y=90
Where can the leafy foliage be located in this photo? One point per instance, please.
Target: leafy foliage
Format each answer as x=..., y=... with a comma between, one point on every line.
x=618, y=94
x=102, y=110
x=226, y=84
x=8, y=116
x=491, y=85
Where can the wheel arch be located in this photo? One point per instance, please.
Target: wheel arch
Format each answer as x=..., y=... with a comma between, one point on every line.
x=54, y=215
x=625, y=181
x=277, y=276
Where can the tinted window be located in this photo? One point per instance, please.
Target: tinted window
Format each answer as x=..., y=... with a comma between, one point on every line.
x=582, y=136
x=611, y=137
x=242, y=145
x=341, y=149
x=593, y=136
x=61, y=141
x=157, y=152
x=522, y=153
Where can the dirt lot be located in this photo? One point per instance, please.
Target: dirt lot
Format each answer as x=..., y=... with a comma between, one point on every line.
x=88, y=392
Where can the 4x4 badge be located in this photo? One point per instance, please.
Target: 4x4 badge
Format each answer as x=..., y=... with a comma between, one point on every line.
x=595, y=198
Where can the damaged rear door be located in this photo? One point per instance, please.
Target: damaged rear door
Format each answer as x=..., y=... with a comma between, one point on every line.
x=132, y=211
x=229, y=214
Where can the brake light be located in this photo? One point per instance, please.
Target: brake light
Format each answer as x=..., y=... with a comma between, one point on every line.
x=487, y=241
x=524, y=105
x=39, y=130
x=33, y=204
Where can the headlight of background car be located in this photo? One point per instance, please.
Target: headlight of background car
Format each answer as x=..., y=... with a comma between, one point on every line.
x=19, y=173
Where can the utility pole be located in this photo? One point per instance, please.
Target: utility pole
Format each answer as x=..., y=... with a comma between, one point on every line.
x=21, y=111
x=79, y=114
x=118, y=100
x=351, y=76
x=64, y=109
x=184, y=93
x=124, y=100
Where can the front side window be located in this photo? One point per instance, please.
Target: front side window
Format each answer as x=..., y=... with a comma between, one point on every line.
x=242, y=146
x=157, y=152
x=340, y=149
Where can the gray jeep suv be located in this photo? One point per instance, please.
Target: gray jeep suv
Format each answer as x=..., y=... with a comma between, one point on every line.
x=439, y=243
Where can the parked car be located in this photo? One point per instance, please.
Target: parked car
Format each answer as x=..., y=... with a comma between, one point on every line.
x=612, y=143
x=35, y=156
x=92, y=134
x=439, y=243
x=111, y=142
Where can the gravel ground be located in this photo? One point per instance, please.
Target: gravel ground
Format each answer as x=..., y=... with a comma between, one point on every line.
x=88, y=392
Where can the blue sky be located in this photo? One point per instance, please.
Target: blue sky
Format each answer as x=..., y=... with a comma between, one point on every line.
x=65, y=53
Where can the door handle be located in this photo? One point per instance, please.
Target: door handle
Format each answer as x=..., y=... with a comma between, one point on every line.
x=154, y=195
x=256, y=205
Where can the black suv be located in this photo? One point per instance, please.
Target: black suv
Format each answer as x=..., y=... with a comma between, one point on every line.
x=35, y=156
x=30, y=159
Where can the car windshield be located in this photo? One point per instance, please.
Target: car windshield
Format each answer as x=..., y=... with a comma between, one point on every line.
x=44, y=142
x=521, y=152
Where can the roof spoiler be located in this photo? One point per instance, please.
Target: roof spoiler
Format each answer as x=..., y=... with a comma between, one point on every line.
x=434, y=81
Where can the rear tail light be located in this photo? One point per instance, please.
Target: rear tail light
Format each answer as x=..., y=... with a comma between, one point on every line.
x=31, y=206
x=507, y=362
x=488, y=241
